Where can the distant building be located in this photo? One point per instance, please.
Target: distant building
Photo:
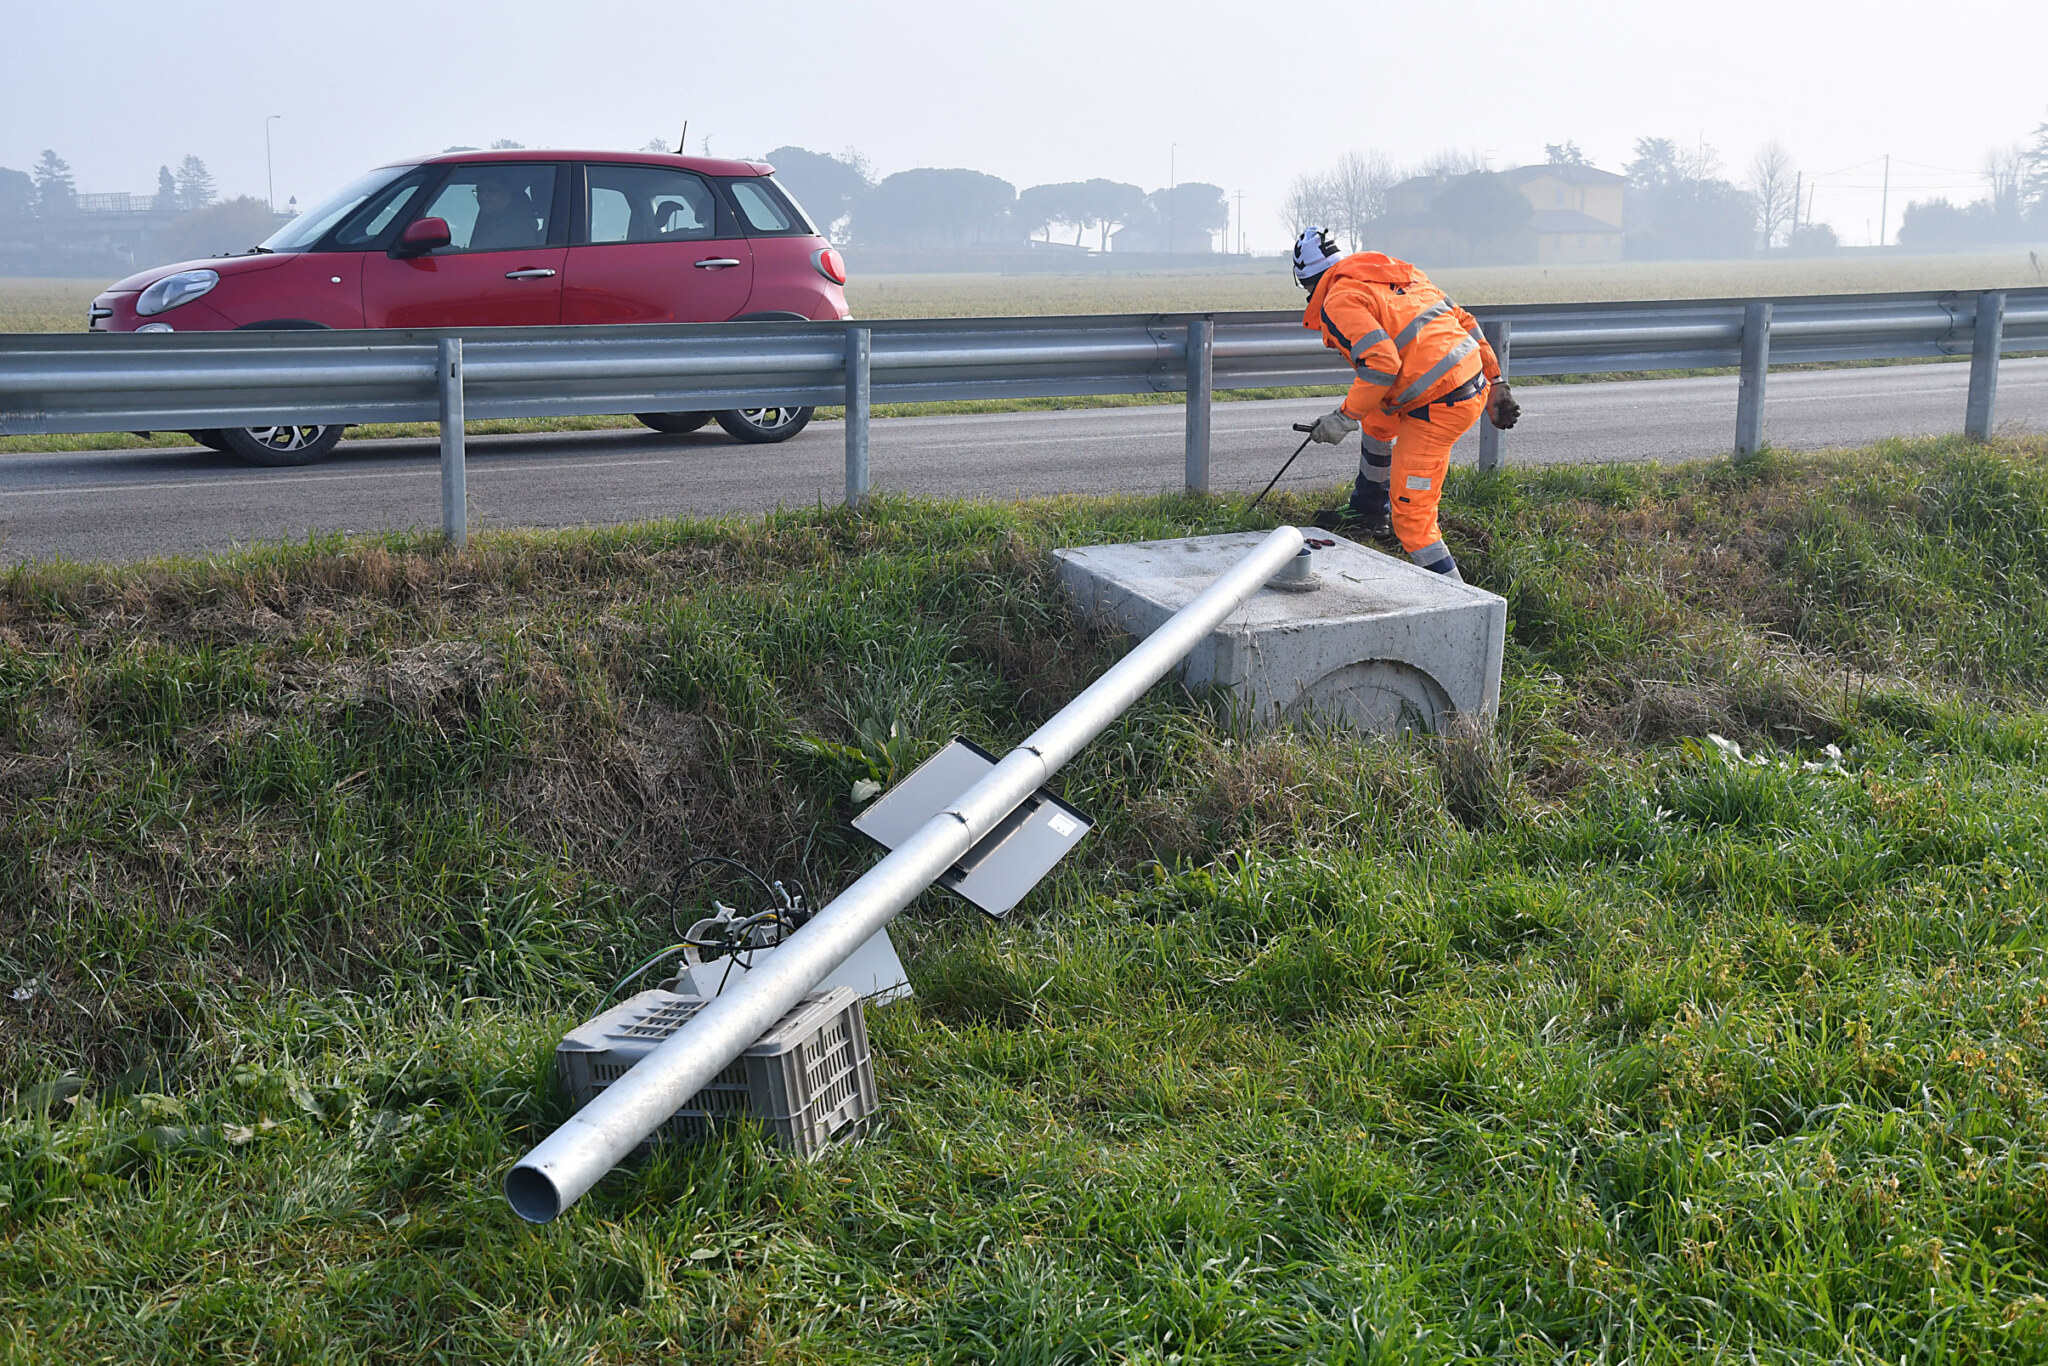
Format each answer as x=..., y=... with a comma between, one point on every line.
x=1575, y=212
x=1574, y=218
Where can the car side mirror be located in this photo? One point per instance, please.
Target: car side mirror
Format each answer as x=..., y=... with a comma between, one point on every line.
x=422, y=236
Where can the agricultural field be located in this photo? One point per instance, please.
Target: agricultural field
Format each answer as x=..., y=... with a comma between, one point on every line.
x=1695, y=1011
x=59, y=305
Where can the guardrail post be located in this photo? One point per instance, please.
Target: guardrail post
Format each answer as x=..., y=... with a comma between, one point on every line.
x=1756, y=367
x=1499, y=333
x=454, y=464
x=859, y=350
x=1985, y=339
x=1201, y=384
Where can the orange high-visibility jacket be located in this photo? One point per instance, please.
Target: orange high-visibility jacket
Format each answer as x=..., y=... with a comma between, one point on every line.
x=1406, y=341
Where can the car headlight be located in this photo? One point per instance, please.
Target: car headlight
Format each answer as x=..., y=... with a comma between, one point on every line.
x=175, y=290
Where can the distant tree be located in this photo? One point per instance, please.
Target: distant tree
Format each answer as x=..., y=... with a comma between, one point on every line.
x=1565, y=154
x=1679, y=207
x=1107, y=205
x=1772, y=187
x=56, y=195
x=2034, y=184
x=830, y=188
x=656, y=145
x=446, y=150
x=1454, y=163
x=166, y=188
x=233, y=225
x=17, y=195
x=1347, y=199
x=1041, y=206
x=1187, y=217
x=195, y=185
x=1817, y=239
x=933, y=207
x=507, y=145
x=1484, y=209
x=2005, y=175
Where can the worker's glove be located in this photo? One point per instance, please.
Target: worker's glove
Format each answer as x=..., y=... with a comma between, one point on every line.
x=1332, y=428
x=1506, y=412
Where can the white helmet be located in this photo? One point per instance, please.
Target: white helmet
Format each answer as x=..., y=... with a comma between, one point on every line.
x=1314, y=253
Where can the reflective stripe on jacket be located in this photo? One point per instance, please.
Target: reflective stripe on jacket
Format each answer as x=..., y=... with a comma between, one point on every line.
x=1406, y=342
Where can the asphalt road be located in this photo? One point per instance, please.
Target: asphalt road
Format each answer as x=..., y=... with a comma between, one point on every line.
x=122, y=505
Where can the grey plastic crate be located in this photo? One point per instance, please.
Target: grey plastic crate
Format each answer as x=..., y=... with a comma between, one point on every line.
x=808, y=1081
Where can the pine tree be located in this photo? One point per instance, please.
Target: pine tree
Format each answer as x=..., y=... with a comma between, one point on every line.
x=195, y=184
x=166, y=188
x=55, y=193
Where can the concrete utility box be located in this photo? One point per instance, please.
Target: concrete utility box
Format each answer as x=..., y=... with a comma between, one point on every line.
x=1378, y=643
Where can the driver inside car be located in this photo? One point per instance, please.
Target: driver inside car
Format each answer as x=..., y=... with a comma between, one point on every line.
x=506, y=216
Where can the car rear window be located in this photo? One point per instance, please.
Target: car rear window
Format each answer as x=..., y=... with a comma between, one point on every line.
x=649, y=204
x=767, y=210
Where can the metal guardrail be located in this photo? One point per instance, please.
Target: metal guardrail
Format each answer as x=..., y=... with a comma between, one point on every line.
x=82, y=382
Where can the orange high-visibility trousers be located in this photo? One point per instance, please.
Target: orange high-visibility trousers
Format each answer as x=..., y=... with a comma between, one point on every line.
x=1415, y=474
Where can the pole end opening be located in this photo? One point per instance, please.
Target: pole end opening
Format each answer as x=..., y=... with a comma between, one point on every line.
x=532, y=1195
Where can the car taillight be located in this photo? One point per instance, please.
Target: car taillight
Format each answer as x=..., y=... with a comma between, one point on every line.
x=830, y=264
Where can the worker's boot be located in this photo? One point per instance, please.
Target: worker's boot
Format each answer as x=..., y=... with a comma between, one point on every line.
x=1369, y=513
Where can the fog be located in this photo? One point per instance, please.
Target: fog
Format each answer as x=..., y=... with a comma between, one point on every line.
x=1242, y=96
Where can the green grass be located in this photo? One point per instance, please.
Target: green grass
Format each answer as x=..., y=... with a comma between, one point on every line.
x=1579, y=1037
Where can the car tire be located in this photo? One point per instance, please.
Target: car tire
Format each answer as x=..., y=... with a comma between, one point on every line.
x=280, y=446
x=764, y=426
x=675, y=424
x=211, y=439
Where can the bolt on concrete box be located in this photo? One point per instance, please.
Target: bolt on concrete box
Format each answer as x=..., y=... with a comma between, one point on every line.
x=1378, y=643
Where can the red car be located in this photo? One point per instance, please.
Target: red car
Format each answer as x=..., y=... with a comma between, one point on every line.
x=510, y=239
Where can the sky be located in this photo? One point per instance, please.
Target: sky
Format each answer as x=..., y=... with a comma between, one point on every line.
x=1244, y=96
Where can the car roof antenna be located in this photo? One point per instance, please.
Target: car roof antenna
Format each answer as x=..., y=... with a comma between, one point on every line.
x=683, y=141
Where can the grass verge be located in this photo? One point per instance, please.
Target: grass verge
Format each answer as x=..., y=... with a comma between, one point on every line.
x=1582, y=1035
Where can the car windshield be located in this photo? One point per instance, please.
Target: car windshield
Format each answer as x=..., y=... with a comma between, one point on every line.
x=310, y=226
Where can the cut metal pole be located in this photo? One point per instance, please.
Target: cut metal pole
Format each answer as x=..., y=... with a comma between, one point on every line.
x=1499, y=333
x=1756, y=367
x=1201, y=383
x=1985, y=340
x=859, y=352
x=454, y=464
x=593, y=1140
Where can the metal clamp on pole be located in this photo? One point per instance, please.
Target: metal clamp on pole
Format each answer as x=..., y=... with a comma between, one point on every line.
x=1986, y=337
x=1499, y=334
x=454, y=462
x=1201, y=383
x=593, y=1140
x=859, y=354
x=1756, y=368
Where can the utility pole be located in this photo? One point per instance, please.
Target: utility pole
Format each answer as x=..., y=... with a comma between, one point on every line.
x=1172, y=181
x=1884, y=203
x=1240, y=222
x=1798, y=197
x=269, y=177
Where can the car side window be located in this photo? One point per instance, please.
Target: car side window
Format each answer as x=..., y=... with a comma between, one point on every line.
x=363, y=228
x=767, y=210
x=499, y=206
x=649, y=204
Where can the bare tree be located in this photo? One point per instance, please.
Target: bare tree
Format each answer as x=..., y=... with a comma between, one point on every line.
x=1311, y=202
x=1772, y=187
x=1347, y=199
x=2005, y=171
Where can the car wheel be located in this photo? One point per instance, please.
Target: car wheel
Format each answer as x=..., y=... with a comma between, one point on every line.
x=280, y=445
x=210, y=438
x=673, y=423
x=765, y=426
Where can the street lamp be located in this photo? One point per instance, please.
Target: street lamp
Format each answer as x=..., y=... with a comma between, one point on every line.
x=269, y=178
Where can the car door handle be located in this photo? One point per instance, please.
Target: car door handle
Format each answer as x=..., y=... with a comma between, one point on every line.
x=716, y=262
x=530, y=273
